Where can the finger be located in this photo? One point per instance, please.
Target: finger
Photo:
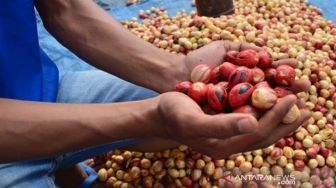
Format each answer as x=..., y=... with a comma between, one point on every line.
x=249, y=46
x=251, y=141
x=300, y=104
x=240, y=46
x=273, y=117
x=291, y=62
x=283, y=130
x=225, y=125
x=302, y=85
x=267, y=124
x=212, y=51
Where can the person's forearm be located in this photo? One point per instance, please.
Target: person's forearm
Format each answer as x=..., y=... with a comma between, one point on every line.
x=99, y=39
x=31, y=129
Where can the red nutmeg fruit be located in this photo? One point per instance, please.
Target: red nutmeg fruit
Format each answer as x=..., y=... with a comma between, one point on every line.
x=262, y=84
x=281, y=143
x=311, y=152
x=224, y=84
x=240, y=75
x=198, y=91
x=226, y=69
x=201, y=73
x=289, y=141
x=231, y=56
x=270, y=76
x=217, y=97
x=240, y=94
x=248, y=58
x=265, y=60
x=215, y=76
x=299, y=164
x=257, y=75
x=260, y=24
x=324, y=152
x=183, y=87
x=285, y=75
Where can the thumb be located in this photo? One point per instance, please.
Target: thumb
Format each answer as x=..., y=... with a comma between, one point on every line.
x=222, y=126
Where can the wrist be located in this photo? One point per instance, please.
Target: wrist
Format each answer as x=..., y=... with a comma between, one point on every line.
x=153, y=118
x=176, y=72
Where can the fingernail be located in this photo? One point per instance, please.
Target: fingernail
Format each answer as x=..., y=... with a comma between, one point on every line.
x=245, y=125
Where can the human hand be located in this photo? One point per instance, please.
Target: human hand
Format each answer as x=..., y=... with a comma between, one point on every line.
x=215, y=135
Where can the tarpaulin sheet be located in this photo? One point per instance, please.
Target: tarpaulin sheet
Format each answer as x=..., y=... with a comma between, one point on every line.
x=68, y=61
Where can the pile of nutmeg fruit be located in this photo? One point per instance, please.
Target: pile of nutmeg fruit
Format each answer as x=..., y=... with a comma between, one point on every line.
x=244, y=83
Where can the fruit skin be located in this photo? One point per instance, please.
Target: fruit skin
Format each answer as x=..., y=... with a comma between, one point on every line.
x=262, y=84
x=240, y=75
x=299, y=164
x=282, y=92
x=292, y=115
x=285, y=75
x=215, y=76
x=198, y=91
x=217, y=97
x=248, y=58
x=201, y=73
x=260, y=24
x=265, y=60
x=240, y=94
x=270, y=76
x=324, y=152
x=224, y=84
x=231, y=56
x=264, y=98
x=102, y=175
x=183, y=87
x=257, y=75
x=226, y=69
x=248, y=109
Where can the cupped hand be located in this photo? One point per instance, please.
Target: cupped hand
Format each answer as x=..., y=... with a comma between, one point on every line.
x=221, y=135
x=224, y=134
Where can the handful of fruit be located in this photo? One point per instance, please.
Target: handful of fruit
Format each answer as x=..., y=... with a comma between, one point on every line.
x=244, y=83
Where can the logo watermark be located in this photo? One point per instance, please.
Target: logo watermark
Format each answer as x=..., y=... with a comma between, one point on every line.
x=281, y=179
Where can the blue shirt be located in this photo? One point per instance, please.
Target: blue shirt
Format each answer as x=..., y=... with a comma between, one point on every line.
x=26, y=72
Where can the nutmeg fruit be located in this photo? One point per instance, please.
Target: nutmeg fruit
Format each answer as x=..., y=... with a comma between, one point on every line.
x=226, y=69
x=248, y=58
x=292, y=115
x=285, y=75
x=201, y=73
x=240, y=94
x=257, y=75
x=198, y=91
x=217, y=97
x=240, y=75
x=183, y=87
x=264, y=98
x=265, y=59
